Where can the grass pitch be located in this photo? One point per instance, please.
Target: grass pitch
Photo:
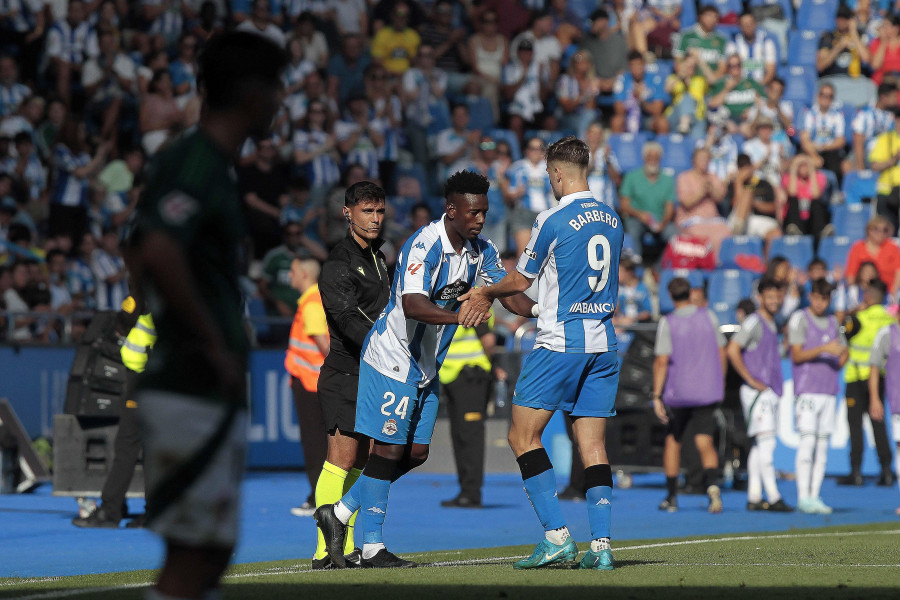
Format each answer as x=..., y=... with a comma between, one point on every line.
x=839, y=562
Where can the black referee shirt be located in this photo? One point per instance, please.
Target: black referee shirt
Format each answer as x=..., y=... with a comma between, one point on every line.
x=355, y=289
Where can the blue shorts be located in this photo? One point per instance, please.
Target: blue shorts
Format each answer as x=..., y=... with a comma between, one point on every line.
x=583, y=385
x=392, y=411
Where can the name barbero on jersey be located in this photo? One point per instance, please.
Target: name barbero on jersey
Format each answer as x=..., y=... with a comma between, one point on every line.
x=593, y=216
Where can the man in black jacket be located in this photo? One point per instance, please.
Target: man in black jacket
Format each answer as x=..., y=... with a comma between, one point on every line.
x=355, y=287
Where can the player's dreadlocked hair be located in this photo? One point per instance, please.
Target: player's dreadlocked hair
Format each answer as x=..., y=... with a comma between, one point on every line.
x=466, y=182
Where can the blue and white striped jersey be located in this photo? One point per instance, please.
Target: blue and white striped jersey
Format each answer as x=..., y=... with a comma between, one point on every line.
x=411, y=351
x=871, y=122
x=823, y=127
x=523, y=174
x=11, y=97
x=73, y=46
x=574, y=254
x=68, y=189
x=755, y=54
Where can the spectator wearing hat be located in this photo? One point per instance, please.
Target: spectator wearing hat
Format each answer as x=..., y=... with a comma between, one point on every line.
x=869, y=123
x=841, y=52
x=822, y=133
x=884, y=158
x=768, y=155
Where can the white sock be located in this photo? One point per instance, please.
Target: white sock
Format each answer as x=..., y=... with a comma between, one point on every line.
x=154, y=594
x=342, y=512
x=557, y=536
x=804, y=465
x=819, y=463
x=600, y=544
x=766, y=445
x=754, y=481
x=370, y=550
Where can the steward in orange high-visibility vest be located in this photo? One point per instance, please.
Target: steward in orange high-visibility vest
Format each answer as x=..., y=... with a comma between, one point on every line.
x=304, y=359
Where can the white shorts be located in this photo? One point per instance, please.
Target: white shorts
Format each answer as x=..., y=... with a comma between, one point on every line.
x=760, y=410
x=760, y=225
x=175, y=427
x=895, y=427
x=814, y=414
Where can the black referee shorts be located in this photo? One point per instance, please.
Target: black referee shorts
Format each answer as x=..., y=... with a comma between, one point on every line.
x=337, y=394
x=704, y=418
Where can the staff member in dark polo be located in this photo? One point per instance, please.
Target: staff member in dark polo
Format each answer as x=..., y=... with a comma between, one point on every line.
x=688, y=384
x=355, y=287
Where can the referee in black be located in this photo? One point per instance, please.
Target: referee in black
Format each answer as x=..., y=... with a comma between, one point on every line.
x=355, y=288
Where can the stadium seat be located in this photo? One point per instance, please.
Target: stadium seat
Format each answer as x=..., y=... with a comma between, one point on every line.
x=833, y=250
x=817, y=15
x=734, y=249
x=440, y=117
x=627, y=148
x=859, y=186
x=850, y=220
x=677, y=151
x=695, y=277
x=688, y=14
x=849, y=111
x=508, y=136
x=798, y=249
x=663, y=68
x=256, y=310
x=726, y=288
x=803, y=47
x=800, y=83
x=481, y=114
x=548, y=137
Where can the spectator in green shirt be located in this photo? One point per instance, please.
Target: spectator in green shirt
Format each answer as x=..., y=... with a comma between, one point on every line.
x=735, y=92
x=647, y=200
x=703, y=41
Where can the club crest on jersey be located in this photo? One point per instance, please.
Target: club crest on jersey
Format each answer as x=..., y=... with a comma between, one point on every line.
x=177, y=208
x=453, y=291
x=389, y=427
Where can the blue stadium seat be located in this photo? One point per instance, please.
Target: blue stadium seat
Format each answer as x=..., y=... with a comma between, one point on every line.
x=257, y=308
x=850, y=220
x=738, y=245
x=803, y=47
x=546, y=136
x=440, y=117
x=833, y=250
x=726, y=288
x=481, y=114
x=859, y=185
x=583, y=8
x=508, y=136
x=800, y=83
x=786, y=7
x=688, y=14
x=627, y=148
x=677, y=151
x=696, y=278
x=798, y=249
x=663, y=68
x=817, y=15
x=849, y=111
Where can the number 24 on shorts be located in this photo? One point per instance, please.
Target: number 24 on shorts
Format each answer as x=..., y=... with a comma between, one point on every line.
x=401, y=408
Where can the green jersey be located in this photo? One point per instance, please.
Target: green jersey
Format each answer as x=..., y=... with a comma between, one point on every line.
x=711, y=45
x=742, y=97
x=192, y=196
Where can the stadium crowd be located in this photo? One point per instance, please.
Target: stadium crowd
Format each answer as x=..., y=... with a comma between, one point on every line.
x=733, y=137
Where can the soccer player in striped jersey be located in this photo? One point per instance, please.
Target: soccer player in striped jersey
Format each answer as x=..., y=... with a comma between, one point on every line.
x=398, y=386
x=574, y=254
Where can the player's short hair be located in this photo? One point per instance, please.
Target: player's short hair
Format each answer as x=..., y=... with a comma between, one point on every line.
x=822, y=287
x=363, y=191
x=768, y=283
x=231, y=63
x=679, y=289
x=569, y=150
x=466, y=182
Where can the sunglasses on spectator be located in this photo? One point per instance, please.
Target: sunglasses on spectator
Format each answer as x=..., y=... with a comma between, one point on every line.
x=488, y=145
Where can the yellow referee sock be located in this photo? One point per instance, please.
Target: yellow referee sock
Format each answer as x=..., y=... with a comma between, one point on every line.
x=332, y=481
x=352, y=476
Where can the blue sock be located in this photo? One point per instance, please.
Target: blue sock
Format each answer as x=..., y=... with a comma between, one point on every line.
x=540, y=485
x=351, y=498
x=599, y=510
x=373, y=496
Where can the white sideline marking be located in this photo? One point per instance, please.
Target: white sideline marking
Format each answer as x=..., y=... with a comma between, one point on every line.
x=494, y=559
